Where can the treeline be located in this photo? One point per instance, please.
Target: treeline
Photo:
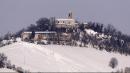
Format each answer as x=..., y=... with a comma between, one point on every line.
x=116, y=41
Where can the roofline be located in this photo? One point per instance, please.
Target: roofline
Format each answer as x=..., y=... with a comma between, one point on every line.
x=64, y=19
x=40, y=32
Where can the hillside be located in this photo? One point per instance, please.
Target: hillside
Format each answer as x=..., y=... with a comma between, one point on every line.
x=7, y=70
x=59, y=58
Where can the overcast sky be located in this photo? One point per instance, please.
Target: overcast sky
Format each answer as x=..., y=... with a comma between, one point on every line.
x=17, y=14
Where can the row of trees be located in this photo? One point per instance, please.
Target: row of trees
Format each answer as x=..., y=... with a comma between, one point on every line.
x=117, y=42
x=43, y=24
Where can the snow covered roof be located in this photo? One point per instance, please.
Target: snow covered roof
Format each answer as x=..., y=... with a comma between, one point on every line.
x=64, y=19
x=85, y=23
x=38, y=32
x=90, y=32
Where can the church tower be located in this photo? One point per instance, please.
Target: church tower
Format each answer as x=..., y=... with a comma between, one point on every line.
x=70, y=15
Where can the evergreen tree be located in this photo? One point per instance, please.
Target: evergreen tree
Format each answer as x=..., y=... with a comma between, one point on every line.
x=43, y=24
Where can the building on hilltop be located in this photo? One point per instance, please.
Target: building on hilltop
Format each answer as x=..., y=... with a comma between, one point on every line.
x=69, y=22
x=63, y=29
x=39, y=35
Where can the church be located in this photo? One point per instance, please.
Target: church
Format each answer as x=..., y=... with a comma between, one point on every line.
x=67, y=24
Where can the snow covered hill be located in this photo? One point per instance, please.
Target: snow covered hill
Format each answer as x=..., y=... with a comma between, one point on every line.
x=59, y=58
x=5, y=70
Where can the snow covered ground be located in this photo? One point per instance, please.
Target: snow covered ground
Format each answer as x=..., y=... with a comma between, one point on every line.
x=59, y=58
x=6, y=70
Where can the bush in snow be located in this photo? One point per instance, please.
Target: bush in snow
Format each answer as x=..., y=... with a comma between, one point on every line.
x=0, y=39
x=119, y=71
x=3, y=60
x=127, y=70
x=8, y=65
x=1, y=44
x=19, y=70
x=113, y=62
x=13, y=67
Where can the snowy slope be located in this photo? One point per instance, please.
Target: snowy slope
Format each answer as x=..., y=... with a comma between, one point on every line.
x=58, y=58
x=6, y=70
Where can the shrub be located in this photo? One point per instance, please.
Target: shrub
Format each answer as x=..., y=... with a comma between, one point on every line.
x=113, y=62
x=19, y=70
x=119, y=71
x=8, y=64
x=3, y=60
x=13, y=67
x=127, y=69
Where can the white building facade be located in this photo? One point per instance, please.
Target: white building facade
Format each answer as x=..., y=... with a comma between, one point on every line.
x=69, y=22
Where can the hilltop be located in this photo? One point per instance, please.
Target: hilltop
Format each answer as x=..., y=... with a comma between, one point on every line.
x=66, y=45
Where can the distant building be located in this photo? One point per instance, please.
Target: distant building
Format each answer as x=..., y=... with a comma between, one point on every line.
x=39, y=35
x=69, y=22
x=64, y=25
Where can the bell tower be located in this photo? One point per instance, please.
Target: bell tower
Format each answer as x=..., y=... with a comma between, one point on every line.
x=70, y=15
